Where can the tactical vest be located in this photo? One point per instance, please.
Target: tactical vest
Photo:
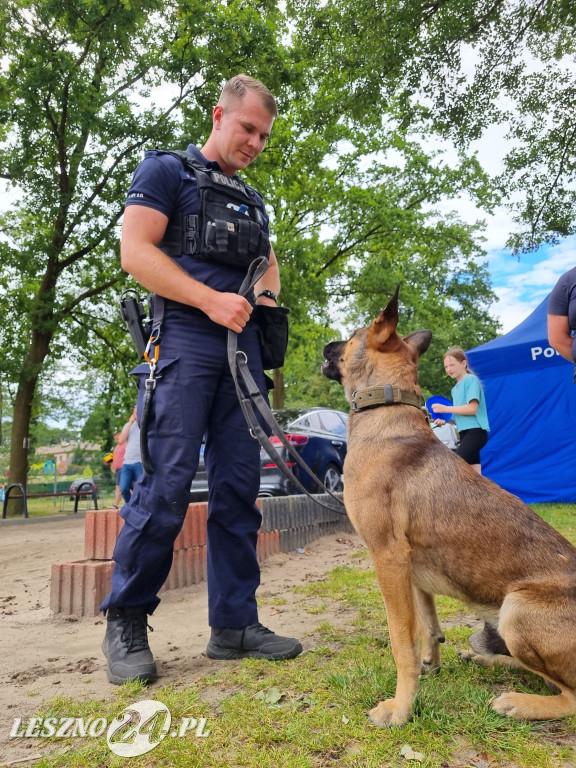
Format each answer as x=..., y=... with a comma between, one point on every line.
x=229, y=226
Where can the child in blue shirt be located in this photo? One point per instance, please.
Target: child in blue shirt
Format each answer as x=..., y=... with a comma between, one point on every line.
x=468, y=409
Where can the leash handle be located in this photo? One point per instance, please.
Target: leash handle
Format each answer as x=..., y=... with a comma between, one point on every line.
x=255, y=271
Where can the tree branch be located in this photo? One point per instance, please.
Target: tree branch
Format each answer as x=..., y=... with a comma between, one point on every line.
x=86, y=295
x=554, y=184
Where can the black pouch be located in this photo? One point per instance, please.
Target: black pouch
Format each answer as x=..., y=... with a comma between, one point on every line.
x=273, y=326
x=134, y=315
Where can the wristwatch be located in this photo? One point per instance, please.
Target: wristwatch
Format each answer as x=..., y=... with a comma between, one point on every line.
x=268, y=294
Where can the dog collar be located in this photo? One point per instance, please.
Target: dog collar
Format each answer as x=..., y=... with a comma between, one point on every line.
x=389, y=394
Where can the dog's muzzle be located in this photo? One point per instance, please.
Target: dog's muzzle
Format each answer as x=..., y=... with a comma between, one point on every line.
x=331, y=367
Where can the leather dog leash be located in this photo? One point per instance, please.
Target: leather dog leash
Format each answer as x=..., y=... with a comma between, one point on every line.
x=241, y=375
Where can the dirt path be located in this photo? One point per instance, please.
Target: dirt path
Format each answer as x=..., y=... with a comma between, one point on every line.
x=43, y=656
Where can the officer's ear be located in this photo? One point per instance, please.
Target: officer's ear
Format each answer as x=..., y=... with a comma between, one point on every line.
x=217, y=113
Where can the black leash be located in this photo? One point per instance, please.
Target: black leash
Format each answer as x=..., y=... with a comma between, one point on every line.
x=251, y=396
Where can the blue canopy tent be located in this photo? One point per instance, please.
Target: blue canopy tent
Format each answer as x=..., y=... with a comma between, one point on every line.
x=531, y=401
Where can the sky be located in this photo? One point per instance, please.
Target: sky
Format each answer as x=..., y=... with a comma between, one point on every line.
x=520, y=282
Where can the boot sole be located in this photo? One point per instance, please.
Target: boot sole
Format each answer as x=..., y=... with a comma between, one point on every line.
x=118, y=680
x=143, y=677
x=229, y=654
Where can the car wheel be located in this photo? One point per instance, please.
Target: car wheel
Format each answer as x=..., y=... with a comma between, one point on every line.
x=332, y=478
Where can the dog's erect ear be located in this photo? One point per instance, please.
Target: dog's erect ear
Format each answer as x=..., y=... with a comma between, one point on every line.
x=385, y=324
x=420, y=340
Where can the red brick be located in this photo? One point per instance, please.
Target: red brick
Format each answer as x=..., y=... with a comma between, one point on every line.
x=199, y=513
x=78, y=587
x=101, y=529
x=187, y=531
x=200, y=553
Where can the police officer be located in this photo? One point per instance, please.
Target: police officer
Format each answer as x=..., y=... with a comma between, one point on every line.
x=191, y=227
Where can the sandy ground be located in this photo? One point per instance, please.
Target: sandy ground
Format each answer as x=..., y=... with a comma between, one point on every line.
x=43, y=655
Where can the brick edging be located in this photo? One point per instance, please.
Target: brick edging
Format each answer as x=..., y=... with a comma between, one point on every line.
x=78, y=587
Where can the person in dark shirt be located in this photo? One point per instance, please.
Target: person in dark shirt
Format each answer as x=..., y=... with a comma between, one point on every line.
x=191, y=228
x=562, y=315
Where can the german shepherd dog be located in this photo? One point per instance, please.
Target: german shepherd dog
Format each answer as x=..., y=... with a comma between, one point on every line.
x=435, y=526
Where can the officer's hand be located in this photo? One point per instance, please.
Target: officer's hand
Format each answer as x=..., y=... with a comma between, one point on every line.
x=230, y=310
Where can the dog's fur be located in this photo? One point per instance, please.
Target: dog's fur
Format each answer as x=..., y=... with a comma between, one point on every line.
x=435, y=526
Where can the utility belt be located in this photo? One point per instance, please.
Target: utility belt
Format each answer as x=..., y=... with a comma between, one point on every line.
x=271, y=323
x=170, y=304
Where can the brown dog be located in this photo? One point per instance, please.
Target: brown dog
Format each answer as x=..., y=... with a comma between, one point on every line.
x=435, y=526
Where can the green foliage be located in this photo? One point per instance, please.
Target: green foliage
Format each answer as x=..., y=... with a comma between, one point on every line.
x=463, y=68
x=357, y=194
x=78, y=86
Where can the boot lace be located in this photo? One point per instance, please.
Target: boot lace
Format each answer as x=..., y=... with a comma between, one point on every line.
x=134, y=633
x=259, y=629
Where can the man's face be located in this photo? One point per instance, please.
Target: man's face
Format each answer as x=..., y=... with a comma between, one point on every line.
x=241, y=131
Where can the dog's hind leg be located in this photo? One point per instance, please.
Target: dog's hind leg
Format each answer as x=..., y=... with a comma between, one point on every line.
x=394, y=577
x=538, y=625
x=430, y=631
x=488, y=642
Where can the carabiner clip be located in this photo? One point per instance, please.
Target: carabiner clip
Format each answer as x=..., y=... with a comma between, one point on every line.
x=151, y=341
x=150, y=383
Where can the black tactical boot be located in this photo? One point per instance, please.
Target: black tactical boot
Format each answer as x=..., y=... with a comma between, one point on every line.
x=254, y=640
x=126, y=646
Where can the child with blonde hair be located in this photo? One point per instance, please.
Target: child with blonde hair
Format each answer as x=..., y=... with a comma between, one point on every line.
x=468, y=409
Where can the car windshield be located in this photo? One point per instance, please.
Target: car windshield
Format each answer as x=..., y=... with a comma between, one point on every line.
x=316, y=420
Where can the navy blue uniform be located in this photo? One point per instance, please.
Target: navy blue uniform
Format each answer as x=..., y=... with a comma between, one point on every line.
x=194, y=397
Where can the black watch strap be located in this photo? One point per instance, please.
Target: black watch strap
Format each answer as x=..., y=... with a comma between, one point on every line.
x=268, y=294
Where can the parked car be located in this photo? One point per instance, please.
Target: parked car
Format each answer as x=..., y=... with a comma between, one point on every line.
x=82, y=484
x=319, y=436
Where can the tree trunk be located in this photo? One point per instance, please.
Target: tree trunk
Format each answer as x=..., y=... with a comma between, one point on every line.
x=27, y=383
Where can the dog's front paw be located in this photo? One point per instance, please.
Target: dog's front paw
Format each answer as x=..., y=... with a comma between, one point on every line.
x=387, y=714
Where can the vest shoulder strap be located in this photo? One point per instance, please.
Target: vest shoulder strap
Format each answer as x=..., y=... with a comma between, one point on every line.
x=187, y=158
x=192, y=163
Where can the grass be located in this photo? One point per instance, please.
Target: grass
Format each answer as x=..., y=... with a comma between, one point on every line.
x=311, y=712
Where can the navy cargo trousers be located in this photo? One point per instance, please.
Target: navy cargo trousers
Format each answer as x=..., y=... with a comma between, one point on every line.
x=195, y=397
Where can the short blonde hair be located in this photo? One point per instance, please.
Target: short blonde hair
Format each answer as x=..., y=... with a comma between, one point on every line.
x=235, y=88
